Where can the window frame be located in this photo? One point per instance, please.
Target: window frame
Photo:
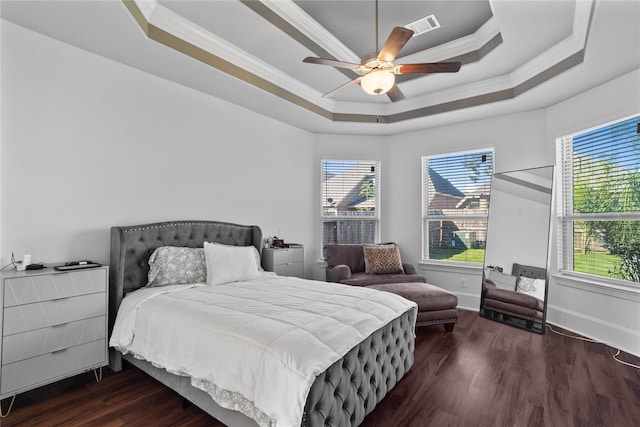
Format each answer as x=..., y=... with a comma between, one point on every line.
x=426, y=217
x=566, y=218
x=377, y=195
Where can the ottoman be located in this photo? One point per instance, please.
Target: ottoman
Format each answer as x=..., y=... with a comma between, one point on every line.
x=436, y=306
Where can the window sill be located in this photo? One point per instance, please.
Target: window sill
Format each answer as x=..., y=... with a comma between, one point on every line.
x=450, y=266
x=630, y=292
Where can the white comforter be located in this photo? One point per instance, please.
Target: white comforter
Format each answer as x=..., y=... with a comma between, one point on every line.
x=254, y=346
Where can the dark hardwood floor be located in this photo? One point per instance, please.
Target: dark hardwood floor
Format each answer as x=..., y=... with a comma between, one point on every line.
x=482, y=374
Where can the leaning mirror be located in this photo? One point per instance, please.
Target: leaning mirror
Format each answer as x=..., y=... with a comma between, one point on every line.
x=515, y=274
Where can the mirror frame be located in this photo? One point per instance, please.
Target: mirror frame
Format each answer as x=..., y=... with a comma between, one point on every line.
x=534, y=326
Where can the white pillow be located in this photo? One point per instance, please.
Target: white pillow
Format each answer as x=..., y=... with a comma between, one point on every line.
x=527, y=284
x=227, y=263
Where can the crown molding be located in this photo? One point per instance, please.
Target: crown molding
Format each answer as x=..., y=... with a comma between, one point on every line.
x=455, y=48
x=560, y=57
x=171, y=24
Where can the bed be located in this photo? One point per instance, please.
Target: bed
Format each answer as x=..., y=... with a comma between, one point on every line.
x=342, y=393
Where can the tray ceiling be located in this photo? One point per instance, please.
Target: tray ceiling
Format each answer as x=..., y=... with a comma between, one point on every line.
x=250, y=52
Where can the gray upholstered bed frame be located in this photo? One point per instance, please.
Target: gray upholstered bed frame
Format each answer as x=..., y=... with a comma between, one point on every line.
x=520, y=270
x=342, y=395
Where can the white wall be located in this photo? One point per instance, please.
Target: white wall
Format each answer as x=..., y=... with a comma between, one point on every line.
x=88, y=143
x=608, y=314
x=519, y=143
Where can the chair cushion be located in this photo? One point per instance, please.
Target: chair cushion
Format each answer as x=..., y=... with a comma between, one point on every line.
x=428, y=297
x=364, y=279
x=515, y=298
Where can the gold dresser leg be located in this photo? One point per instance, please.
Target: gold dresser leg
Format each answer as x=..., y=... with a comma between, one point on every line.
x=13, y=399
x=98, y=375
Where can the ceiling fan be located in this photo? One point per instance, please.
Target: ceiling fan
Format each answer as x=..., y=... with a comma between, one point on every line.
x=379, y=70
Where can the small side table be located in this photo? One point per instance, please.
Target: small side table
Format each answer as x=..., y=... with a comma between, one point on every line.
x=284, y=261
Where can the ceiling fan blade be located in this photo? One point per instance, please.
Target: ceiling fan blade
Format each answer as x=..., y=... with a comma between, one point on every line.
x=397, y=39
x=395, y=94
x=344, y=86
x=434, y=67
x=332, y=62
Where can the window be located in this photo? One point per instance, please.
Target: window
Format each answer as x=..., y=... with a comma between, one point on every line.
x=599, y=201
x=350, y=201
x=455, y=197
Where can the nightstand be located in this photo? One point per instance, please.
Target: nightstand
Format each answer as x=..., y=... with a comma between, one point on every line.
x=53, y=324
x=284, y=261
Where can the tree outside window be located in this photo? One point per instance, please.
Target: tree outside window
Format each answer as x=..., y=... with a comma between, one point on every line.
x=600, y=201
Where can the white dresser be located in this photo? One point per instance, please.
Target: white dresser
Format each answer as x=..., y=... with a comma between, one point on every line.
x=284, y=261
x=54, y=325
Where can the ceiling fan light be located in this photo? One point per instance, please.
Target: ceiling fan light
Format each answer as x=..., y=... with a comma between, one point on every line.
x=378, y=82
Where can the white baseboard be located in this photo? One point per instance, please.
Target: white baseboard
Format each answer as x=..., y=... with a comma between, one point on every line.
x=468, y=301
x=616, y=336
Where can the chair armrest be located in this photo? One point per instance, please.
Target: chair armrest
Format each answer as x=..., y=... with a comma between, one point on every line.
x=488, y=284
x=409, y=268
x=338, y=273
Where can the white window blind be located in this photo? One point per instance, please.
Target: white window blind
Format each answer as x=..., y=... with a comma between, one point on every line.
x=456, y=189
x=599, y=203
x=350, y=201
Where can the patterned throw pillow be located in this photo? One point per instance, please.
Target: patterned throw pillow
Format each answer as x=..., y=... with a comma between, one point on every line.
x=172, y=265
x=384, y=259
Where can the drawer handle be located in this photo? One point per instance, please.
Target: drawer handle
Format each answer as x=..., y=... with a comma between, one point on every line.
x=59, y=299
x=59, y=351
x=60, y=324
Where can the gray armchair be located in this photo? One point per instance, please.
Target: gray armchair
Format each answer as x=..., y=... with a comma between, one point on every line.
x=346, y=264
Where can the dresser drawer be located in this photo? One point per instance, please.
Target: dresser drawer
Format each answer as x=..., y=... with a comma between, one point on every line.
x=295, y=269
x=27, y=317
x=46, y=340
x=29, y=373
x=287, y=256
x=46, y=287
x=285, y=261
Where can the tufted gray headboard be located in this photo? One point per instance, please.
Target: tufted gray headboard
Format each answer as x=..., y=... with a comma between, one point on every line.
x=132, y=246
x=519, y=270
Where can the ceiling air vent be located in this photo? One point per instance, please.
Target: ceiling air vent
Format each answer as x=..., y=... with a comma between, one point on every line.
x=423, y=25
